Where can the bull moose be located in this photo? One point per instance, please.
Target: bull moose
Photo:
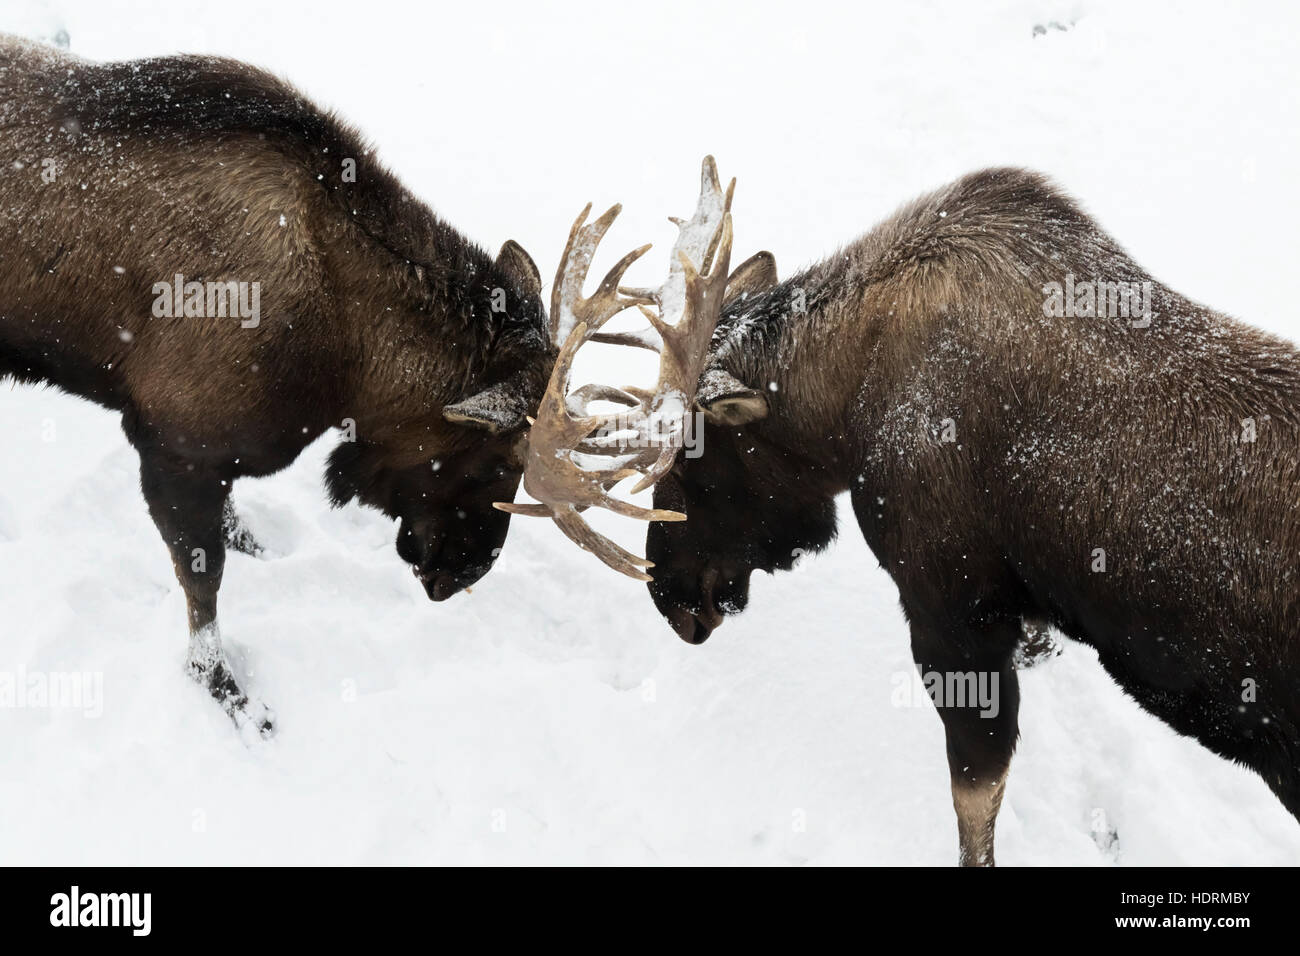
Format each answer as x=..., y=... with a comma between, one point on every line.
x=1032, y=430
x=191, y=242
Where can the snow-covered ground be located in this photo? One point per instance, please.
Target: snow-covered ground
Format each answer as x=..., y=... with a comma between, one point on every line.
x=551, y=716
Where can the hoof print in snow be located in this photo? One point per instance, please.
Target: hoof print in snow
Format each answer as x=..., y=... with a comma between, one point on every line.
x=1107, y=840
x=1041, y=29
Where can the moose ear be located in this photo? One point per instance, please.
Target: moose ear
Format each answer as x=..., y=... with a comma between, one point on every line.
x=756, y=274
x=725, y=400
x=498, y=409
x=519, y=266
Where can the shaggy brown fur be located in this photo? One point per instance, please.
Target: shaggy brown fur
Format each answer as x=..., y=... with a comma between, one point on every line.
x=1070, y=437
x=374, y=314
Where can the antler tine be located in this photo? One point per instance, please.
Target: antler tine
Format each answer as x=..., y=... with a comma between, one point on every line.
x=707, y=265
x=568, y=305
x=697, y=239
x=608, y=300
x=695, y=295
x=561, y=304
x=584, y=536
x=638, y=339
x=554, y=398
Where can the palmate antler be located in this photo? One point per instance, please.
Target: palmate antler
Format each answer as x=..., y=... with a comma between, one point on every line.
x=575, y=457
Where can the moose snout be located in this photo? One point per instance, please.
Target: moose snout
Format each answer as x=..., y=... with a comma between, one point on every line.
x=688, y=627
x=442, y=579
x=717, y=593
x=439, y=587
x=443, y=567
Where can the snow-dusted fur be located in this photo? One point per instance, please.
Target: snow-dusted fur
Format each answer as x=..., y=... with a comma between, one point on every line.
x=372, y=314
x=1132, y=481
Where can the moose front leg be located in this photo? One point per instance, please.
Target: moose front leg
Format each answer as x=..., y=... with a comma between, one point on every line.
x=969, y=674
x=187, y=505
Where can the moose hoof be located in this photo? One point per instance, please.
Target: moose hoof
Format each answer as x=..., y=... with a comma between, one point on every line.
x=254, y=718
x=250, y=715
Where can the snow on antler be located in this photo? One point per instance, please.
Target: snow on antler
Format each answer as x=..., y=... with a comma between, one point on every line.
x=575, y=457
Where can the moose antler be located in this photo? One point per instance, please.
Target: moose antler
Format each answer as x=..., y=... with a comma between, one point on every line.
x=690, y=302
x=575, y=457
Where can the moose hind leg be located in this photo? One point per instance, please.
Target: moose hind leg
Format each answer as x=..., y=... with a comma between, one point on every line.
x=188, y=507
x=969, y=674
x=235, y=533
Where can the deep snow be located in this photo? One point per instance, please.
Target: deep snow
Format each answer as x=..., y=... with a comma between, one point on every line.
x=551, y=716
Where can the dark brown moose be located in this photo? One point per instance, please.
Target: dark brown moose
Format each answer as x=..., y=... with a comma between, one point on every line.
x=1032, y=430
x=191, y=242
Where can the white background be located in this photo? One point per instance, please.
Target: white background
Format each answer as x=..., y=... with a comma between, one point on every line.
x=551, y=716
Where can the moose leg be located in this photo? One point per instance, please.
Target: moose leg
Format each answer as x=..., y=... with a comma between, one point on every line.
x=972, y=680
x=187, y=507
x=235, y=533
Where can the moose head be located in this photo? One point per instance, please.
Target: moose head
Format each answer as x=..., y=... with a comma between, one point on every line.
x=440, y=475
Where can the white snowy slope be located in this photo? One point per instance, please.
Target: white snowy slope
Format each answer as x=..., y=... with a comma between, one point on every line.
x=551, y=716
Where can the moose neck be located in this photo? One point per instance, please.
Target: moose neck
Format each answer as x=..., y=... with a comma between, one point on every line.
x=802, y=343
x=418, y=326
